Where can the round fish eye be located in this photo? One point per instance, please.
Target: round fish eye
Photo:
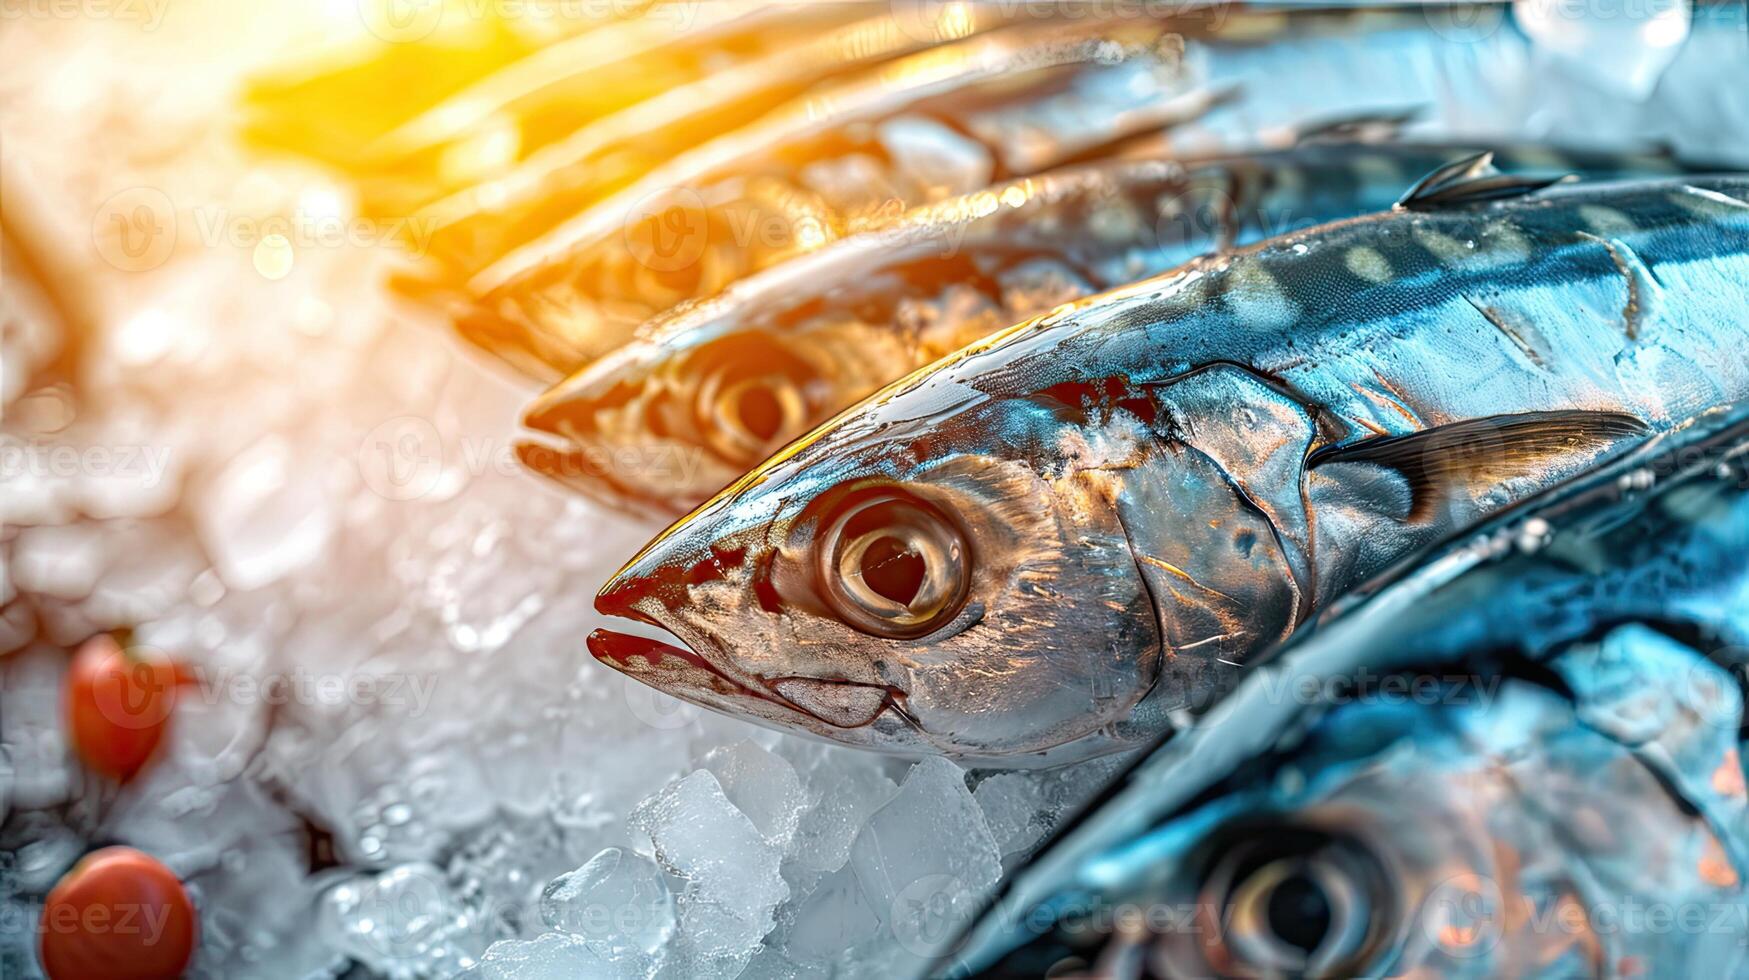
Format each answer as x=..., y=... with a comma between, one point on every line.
x=1301, y=902
x=743, y=417
x=893, y=565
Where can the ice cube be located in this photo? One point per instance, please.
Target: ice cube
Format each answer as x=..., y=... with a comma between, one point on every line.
x=264, y=516
x=499, y=871
x=1023, y=807
x=847, y=795
x=618, y=902
x=403, y=923
x=761, y=785
x=733, y=885
x=926, y=858
x=550, y=956
x=834, y=917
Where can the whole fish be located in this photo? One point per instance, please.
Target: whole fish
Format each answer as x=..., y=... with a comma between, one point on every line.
x=573, y=122
x=716, y=386
x=1013, y=102
x=1496, y=763
x=934, y=124
x=1050, y=544
x=428, y=115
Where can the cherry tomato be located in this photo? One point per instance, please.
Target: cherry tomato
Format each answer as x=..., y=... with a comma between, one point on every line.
x=119, y=704
x=119, y=915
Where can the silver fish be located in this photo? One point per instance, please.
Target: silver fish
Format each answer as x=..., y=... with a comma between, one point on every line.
x=712, y=388
x=1498, y=762
x=1050, y=544
x=855, y=153
x=934, y=124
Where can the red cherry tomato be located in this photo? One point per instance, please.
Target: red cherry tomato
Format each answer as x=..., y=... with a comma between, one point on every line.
x=119, y=915
x=119, y=704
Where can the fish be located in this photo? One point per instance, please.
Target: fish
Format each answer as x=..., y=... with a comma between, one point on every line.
x=1066, y=539
x=567, y=267
x=471, y=99
x=722, y=383
x=933, y=124
x=581, y=119
x=1493, y=761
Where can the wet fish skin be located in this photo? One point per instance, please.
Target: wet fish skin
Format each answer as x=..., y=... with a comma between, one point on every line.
x=559, y=292
x=813, y=336
x=1496, y=760
x=1110, y=508
x=565, y=294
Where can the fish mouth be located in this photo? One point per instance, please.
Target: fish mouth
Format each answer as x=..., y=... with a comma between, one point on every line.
x=834, y=703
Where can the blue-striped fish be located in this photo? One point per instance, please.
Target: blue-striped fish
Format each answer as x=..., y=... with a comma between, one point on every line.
x=1046, y=545
x=717, y=386
x=1522, y=757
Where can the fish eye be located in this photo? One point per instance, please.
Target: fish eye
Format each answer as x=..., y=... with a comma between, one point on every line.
x=1300, y=901
x=893, y=565
x=743, y=417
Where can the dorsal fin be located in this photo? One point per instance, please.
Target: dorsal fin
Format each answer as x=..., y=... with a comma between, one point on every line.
x=1372, y=126
x=1469, y=181
x=1482, y=452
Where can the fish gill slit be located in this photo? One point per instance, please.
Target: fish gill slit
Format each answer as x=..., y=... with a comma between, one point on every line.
x=1284, y=545
x=1507, y=330
x=1154, y=607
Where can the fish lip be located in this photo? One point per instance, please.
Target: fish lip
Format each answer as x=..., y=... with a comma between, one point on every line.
x=616, y=650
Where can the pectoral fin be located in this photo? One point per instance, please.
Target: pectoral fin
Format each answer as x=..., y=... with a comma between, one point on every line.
x=1463, y=458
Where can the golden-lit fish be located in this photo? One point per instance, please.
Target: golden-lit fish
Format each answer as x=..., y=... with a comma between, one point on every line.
x=604, y=107
x=450, y=100
x=858, y=152
x=714, y=387
x=933, y=125
x=1047, y=545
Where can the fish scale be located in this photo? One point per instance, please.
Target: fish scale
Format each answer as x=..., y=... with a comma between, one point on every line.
x=1188, y=473
x=1194, y=81
x=1578, y=744
x=829, y=328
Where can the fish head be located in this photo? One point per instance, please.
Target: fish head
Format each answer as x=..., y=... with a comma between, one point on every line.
x=1455, y=825
x=665, y=421
x=710, y=390
x=918, y=587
